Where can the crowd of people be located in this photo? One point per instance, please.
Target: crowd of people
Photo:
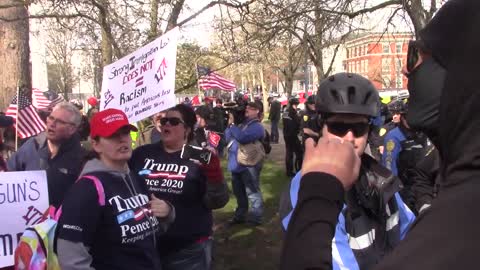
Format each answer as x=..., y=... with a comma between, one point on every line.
x=373, y=186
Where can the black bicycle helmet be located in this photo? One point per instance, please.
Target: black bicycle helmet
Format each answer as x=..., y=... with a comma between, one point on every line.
x=398, y=106
x=347, y=93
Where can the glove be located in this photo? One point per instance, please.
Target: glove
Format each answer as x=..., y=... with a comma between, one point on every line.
x=212, y=170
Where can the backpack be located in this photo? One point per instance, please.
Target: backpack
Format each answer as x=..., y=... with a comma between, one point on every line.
x=266, y=143
x=35, y=251
x=250, y=154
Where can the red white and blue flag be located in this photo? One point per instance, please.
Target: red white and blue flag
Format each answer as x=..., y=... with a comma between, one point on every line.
x=28, y=121
x=43, y=100
x=130, y=214
x=211, y=80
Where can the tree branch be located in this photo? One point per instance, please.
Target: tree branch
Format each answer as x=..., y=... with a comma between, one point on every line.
x=211, y=4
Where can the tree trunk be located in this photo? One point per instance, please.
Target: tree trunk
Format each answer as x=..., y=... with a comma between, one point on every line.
x=173, y=19
x=14, y=53
x=288, y=83
x=264, y=90
x=153, y=33
x=419, y=15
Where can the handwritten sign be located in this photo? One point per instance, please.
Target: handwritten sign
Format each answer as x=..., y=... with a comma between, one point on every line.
x=143, y=82
x=23, y=200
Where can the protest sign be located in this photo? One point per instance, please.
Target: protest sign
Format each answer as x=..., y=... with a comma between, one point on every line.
x=23, y=201
x=143, y=82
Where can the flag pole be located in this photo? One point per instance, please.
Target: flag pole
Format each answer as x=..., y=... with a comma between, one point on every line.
x=198, y=83
x=18, y=116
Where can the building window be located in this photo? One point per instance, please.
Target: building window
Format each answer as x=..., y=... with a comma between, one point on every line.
x=398, y=66
x=399, y=47
x=366, y=66
x=386, y=65
x=366, y=49
x=386, y=48
x=386, y=81
x=348, y=53
x=399, y=82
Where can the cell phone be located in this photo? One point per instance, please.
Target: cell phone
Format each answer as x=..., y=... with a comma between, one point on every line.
x=196, y=153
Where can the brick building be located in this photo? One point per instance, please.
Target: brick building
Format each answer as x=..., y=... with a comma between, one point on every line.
x=379, y=57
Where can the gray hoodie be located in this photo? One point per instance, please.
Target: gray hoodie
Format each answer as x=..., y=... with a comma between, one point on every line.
x=75, y=255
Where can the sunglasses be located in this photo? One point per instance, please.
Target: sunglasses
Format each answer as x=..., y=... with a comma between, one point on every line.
x=341, y=129
x=412, y=55
x=174, y=121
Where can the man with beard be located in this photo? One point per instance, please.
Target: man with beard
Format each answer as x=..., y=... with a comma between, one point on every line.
x=444, y=101
x=57, y=150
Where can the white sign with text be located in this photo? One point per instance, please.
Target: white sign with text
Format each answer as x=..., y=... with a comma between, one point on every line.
x=23, y=201
x=143, y=82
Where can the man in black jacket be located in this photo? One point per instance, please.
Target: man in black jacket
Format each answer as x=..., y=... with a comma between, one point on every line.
x=291, y=130
x=274, y=117
x=57, y=150
x=444, y=236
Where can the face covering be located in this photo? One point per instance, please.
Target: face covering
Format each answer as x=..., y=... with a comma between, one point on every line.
x=425, y=84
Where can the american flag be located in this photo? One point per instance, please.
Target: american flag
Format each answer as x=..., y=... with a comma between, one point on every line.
x=211, y=80
x=45, y=99
x=29, y=122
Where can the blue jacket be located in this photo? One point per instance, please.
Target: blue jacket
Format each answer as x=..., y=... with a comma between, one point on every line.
x=247, y=132
x=343, y=244
x=392, y=149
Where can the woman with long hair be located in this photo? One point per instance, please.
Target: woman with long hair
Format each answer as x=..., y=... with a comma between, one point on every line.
x=193, y=189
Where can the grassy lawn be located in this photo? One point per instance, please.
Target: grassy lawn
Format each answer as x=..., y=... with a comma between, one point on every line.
x=243, y=247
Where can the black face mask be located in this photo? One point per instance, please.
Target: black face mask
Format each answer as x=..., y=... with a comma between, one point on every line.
x=425, y=84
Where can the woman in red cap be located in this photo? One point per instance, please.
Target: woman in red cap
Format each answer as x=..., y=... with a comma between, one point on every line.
x=110, y=222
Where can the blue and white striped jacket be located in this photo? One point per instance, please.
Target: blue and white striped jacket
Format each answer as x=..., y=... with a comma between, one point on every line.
x=356, y=242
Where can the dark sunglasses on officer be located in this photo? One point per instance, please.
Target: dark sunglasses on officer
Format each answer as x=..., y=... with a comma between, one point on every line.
x=341, y=129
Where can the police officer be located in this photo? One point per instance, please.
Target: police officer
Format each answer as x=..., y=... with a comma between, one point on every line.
x=374, y=218
x=309, y=121
x=385, y=122
x=404, y=149
x=291, y=129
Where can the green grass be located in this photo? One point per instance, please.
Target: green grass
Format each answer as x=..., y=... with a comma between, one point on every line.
x=244, y=247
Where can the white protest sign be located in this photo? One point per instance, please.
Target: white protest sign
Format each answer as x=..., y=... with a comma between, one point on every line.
x=143, y=82
x=23, y=200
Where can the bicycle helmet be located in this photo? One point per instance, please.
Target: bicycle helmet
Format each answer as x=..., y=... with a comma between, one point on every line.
x=398, y=106
x=347, y=93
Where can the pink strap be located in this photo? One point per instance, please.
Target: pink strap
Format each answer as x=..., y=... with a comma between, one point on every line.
x=55, y=214
x=98, y=186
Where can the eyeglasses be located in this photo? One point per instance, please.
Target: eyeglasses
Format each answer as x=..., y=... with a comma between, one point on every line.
x=59, y=121
x=174, y=121
x=341, y=129
x=412, y=55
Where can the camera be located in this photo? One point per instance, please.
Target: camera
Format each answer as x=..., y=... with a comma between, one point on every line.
x=237, y=109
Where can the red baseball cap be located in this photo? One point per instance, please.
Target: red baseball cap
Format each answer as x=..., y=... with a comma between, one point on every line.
x=107, y=122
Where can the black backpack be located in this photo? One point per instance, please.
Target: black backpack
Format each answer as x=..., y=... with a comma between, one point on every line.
x=266, y=143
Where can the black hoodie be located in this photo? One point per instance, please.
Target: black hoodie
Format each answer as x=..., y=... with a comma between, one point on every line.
x=445, y=235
